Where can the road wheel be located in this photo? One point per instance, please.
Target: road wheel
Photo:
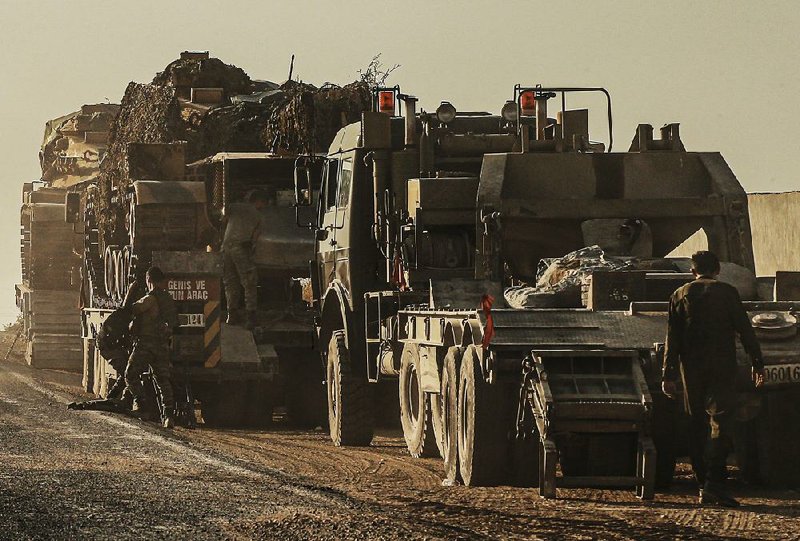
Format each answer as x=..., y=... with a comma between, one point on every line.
x=448, y=400
x=415, y=406
x=482, y=440
x=349, y=405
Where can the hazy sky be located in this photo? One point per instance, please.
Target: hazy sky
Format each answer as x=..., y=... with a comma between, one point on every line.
x=727, y=71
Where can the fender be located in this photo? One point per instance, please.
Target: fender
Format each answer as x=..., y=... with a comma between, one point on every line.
x=335, y=309
x=471, y=332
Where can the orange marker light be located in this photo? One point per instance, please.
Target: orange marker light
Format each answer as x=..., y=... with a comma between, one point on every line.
x=527, y=102
x=386, y=101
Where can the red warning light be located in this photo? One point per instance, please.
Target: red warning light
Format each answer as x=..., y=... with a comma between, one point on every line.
x=527, y=102
x=386, y=102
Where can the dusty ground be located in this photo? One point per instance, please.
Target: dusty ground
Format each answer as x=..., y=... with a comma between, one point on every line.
x=91, y=475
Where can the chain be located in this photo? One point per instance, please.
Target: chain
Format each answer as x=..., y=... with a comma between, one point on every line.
x=524, y=413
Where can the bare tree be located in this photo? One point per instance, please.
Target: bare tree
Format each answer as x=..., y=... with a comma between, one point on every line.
x=376, y=74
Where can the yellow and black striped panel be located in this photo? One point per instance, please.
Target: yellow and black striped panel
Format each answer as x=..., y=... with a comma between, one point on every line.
x=211, y=338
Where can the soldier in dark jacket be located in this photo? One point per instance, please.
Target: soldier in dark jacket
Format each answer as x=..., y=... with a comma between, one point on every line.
x=154, y=318
x=705, y=316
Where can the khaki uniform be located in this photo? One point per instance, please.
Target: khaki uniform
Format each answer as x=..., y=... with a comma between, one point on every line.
x=154, y=317
x=705, y=316
x=239, y=268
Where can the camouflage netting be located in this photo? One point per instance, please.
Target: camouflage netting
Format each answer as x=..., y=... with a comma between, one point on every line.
x=235, y=128
x=255, y=116
x=309, y=120
x=205, y=73
x=148, y=114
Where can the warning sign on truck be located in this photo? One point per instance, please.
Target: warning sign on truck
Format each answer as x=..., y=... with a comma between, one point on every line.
x=194, y=289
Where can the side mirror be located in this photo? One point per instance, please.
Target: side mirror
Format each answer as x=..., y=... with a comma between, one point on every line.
x=303, y=194
x=72, y=208
x=322, y=234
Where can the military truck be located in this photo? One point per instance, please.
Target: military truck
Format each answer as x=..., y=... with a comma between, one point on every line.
x=430, y=225
x=48, y=294
x=173, y=219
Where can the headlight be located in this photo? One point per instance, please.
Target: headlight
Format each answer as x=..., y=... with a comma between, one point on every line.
x=446, y=112
x=509, y=111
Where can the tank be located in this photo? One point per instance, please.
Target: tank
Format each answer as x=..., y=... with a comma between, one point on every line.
x=48, y=294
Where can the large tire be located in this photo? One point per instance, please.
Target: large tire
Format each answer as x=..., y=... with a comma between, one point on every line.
x=448, y=398
x=482, y=438
x=525, y=461
x=349, y=405
x=437, y=420
x=415, y=407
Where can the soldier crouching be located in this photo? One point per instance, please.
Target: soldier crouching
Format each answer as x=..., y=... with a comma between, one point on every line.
x=154, y=318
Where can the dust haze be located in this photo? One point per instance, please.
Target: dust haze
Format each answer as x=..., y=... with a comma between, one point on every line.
x=725, y=70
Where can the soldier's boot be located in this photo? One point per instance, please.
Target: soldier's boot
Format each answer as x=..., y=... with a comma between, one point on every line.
x=252, y=320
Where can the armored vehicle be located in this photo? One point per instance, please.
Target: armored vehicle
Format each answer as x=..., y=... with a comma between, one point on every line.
x=48, y=294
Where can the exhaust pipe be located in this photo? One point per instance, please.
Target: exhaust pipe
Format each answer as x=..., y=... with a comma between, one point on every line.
x=411, y=120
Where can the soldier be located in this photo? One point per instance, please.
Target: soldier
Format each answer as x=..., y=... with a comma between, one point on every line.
x=242, y=228
x=154, y=318
x=704, y=318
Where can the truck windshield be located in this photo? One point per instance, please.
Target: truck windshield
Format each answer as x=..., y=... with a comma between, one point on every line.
x=344, y=182
x=330, y=182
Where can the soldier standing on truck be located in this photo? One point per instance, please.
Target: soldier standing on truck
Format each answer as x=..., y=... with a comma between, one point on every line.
x=154, y=318
x=242, y=228
x=704, y=318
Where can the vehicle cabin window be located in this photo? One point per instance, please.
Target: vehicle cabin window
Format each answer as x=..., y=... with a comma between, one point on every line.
x=330, y=180
x=345, y=179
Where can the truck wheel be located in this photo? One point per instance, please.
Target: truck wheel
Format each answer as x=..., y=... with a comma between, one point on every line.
x=482, y=440
x=437, y=420
x=448, y=398
x=415, y=407
x=349, y=405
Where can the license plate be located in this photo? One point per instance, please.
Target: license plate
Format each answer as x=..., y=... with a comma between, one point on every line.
x=777, y=374
x=192, y=320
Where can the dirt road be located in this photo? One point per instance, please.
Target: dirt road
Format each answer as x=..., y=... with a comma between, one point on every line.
x=92, y=475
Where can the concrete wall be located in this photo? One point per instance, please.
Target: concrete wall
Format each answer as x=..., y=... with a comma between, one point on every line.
x=775, y=223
